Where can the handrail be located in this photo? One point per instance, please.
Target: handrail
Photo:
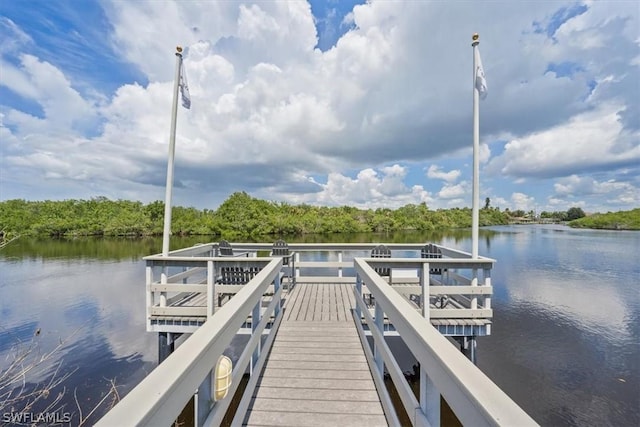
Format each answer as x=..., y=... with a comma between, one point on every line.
x=322, y=247
x=473, y=397
x=162, y=395
x=473, y=302
x=199, y=277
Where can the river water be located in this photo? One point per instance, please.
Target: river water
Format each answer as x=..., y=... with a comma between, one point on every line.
x=565, y=341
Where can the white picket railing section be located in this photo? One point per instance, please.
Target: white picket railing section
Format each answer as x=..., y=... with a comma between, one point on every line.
x=162, y=395
x=444, y=370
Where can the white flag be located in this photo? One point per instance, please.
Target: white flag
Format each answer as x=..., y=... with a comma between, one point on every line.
x=184, y=88
x=481, y=82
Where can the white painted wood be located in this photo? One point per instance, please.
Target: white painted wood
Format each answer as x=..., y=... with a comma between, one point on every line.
x=160, y=397
x=474, y=398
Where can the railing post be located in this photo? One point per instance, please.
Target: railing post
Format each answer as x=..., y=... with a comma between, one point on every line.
x=487, y=282
x=429, y=398
x=150, y=296
x=276, y=288
x=166, y=345
x=163, y=280
x=359, y=293
x=297, y=261
x=474, y=282
x=340, y=260
x=211, y=289
x=203, y=399
x=468, y=347
x=424, y=285
x=429, y=395
x=380, y=326
x=255, y=320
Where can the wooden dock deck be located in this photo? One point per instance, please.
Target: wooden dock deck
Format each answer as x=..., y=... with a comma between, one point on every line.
x=316, y=373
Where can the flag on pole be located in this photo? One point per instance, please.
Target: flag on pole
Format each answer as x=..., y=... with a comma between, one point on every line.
x=481, y=82
x=184, y=88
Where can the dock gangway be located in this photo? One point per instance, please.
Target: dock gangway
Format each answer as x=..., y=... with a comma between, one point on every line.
x=316, y=352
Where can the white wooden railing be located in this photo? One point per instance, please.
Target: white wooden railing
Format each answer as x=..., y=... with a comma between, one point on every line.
x=198, y=275
x=194, y=270
x=472, y=396
x=161, y=396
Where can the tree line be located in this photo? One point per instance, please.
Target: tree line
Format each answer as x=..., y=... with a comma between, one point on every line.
x=623, y=220
x=240, y=215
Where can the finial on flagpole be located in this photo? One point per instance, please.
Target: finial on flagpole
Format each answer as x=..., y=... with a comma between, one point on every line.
x=179, y=50
x=476, y=39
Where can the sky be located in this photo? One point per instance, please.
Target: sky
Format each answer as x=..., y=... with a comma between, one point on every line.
x=327, y=103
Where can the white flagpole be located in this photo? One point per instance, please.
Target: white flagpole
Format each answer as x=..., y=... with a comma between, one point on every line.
x=172, y=150
x=475, y=221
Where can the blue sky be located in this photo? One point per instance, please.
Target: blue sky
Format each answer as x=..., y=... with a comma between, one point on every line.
x=329, y=102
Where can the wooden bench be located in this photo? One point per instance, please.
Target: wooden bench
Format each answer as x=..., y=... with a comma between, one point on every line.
x=431, y=251
x=281, y=249
x=234, y=276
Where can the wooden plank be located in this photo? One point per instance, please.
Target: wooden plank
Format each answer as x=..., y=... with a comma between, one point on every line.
x=323, y=338
x=327, y=302
x=313, y=358
x=325, y=279
x=461, y=290
x=317, y=332
x=326, y=375
x=178, y=287
x=314, y=383
x=301, y=344
x=316, y=305
x=314, y=350
x=307, y=301
x=348, y=301
x=306, y=419
x=292, y=308
x=455, y=313
x=317, y=406
x=178, y=311
x=342, y=366
x=339, y=305
x=303, y=324
x=324, y=264
x=294, y=394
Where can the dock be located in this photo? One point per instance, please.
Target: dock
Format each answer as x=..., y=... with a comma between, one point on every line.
x=315, y=319
x=316, y=373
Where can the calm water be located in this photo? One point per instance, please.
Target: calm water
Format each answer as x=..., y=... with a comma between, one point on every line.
x=565, y=343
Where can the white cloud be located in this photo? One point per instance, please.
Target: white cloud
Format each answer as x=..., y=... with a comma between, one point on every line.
x=521, y=201
x=485, y=153
x=617, y=193
x=14, y=38
x=369, y=189
x=450, y=191
x=590, y=140
x=436, y=172
x=63, y=107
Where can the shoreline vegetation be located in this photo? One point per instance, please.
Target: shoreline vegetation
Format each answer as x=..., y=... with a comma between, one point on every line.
x=244, y=216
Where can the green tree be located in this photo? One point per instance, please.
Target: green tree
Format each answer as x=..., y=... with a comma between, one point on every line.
x=575, y=213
